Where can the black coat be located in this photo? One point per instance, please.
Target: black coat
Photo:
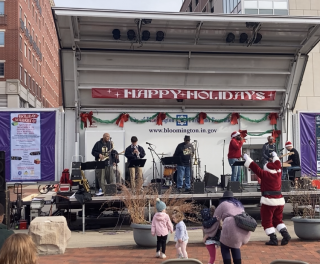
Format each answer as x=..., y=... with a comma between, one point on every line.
x=129, y=153
x=97, y=150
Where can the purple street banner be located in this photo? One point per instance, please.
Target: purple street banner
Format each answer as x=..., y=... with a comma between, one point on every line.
x=318, y=143
x=25, y=146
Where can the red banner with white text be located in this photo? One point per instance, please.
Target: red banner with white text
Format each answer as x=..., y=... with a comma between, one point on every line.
x=116, y=93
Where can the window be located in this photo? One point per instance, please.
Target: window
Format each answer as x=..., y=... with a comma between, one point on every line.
x=2, y=7
x=190, y=7
x=20, y=43
x=39, y=23
x=32, y=33
x=281, y=12
x=32, y=85
x=2, y=38
x=20, y=12
x=36, y=65
x=32, y=10
x=25, y=77
x=266, y=11
x=29, y=55
x=33, y=60
x=204, y=9
x=20, y=72
x=25, y=20
x=36, y=39
x=39, y=45
x=29, y=82
x=29, y=27
x=40, y=69
x=25, y=50
x=36, y=18
x=197, y=2
x=29, y=3
x=1, y=69
x=251, y=11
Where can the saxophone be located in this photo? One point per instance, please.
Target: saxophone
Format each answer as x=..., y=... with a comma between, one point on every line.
x=107, y=153
x=84, y=182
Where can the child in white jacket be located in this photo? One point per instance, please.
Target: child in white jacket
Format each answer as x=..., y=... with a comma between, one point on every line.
x=181, y=235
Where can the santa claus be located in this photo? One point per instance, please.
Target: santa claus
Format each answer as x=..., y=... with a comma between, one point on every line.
x=272, y=201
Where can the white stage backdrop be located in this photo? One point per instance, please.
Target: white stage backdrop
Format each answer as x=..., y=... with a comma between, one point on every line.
x=210, y=137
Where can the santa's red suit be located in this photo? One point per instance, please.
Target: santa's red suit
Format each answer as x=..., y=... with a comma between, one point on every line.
x=272, y=201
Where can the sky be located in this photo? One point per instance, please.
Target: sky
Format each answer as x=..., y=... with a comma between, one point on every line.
x=140, y=5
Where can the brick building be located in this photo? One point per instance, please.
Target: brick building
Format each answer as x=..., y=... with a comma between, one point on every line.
x=29, y=55
x=205, y=6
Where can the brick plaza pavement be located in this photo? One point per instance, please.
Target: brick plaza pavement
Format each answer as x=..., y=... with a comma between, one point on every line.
x=252, y=253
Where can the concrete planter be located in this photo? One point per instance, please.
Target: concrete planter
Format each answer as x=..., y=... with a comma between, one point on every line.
x=142, y=235
x=306, y=228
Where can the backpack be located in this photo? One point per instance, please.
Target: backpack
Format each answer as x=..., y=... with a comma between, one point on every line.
x=65, y=177
x=205, y=214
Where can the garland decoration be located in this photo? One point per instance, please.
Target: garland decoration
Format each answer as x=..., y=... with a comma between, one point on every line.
x=260, y=134
x=160, y=118
x=122, y=119
x=243, y=134
x=234, y=118
x=273, y=118
x=202, y=116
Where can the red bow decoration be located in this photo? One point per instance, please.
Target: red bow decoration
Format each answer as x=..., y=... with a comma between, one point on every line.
x=85, y=117
x=202, y=117
x=273, y=118
x=243, y=134
x=275, y=134
x=122, y=119
x=234, y=118
x=160, y=118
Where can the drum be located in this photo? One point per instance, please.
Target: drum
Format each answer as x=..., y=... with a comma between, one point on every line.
x=316, y=184
x=169, y=171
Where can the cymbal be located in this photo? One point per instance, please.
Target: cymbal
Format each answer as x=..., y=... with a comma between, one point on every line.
x=162, y=154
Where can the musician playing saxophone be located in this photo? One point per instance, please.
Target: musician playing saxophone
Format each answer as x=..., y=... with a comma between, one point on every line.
x=134, y=151
x=102, y=152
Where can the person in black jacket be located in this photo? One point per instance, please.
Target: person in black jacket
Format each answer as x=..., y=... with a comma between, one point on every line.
x=184, y=150
x=267, y=149
x=4, y=233
x=102, y=151
x=133, y=152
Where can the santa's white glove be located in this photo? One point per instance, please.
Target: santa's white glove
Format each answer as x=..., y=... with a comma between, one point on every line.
x=245, y=156
x=274, y=154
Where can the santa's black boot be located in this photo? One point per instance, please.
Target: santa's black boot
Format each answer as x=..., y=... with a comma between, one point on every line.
x=273, y=240
x=237, y=261
x=227, y=261
x=286, y=237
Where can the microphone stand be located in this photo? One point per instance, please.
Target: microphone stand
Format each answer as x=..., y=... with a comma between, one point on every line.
x=153, y=162
x=224, y=142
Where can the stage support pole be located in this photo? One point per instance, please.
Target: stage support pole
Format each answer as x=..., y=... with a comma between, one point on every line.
x=210, y=203
x=149, y=210
x=83, y=218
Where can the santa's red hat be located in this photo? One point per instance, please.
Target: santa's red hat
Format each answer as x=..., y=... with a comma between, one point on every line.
x=288, y=144
x=235, y=133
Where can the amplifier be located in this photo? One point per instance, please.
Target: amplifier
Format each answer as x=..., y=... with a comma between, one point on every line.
x=198, y=187
x=225, y=179
x=111, y=189
x=285, y=186
x=156, y=187
x=234, y=186
x=210, y=180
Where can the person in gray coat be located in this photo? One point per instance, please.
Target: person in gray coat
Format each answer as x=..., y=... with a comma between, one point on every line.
x=232, y=237
x=267, y=149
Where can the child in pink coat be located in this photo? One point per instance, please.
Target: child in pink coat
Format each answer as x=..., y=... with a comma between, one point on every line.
x=161, y=225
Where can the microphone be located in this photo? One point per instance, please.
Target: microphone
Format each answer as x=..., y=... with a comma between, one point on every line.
x=281, y=149
x=149, y=143
x=194, y=140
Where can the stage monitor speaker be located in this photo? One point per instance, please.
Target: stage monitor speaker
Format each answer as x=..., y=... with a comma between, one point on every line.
x=297, y=174
x=210, y=180
x=156, y=187
x=2, y=179
x=111, y=189
x=225, y=179
x=285, y=186
x=234, y=186
x=198, y=187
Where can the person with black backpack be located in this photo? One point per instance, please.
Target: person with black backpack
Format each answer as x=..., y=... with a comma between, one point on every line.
x=211, y=235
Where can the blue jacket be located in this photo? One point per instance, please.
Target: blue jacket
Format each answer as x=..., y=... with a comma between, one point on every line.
x=181, y=232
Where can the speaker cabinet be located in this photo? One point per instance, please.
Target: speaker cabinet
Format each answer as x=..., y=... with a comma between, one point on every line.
x=2, y=178
x=285, y=186
x=156, y=187
x=111, y=189
x=224, y=180
x=210, y=180
x=198, y=187
x=297, y=174
x=234, y=186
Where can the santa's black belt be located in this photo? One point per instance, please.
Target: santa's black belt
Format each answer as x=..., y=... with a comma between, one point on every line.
x=271, y=193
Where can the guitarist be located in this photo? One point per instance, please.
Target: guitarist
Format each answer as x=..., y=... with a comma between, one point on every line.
x=267, y=149
x=102, y=152
x=294, y=159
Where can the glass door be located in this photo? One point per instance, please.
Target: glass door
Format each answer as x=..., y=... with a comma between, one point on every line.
x=255, y=155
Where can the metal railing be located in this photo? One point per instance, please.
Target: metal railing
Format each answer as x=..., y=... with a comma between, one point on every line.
x=38, y=5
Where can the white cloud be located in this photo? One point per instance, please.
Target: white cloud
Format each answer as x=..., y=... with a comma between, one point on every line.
x=140, y=5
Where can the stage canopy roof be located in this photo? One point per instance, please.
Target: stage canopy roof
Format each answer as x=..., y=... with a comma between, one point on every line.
x=194, y=54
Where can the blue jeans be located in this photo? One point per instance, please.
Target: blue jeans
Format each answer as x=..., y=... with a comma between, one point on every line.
x=183, y=171
x=236, y=170
x=285, y=171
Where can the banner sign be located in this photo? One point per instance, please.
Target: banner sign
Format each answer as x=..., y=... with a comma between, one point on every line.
x=318, y=142
x=25, y=146
x=116, y=93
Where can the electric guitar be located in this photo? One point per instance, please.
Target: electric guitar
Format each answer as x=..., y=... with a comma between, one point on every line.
x=288, y=154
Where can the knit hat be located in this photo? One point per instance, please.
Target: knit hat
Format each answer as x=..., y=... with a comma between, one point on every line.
x=160, y=205
x=187, y=138
x=288, y=144
x=235, y=133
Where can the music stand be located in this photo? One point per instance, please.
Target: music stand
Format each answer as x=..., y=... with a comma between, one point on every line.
x=137, y=163
x=239, y=163
x=93, y=165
